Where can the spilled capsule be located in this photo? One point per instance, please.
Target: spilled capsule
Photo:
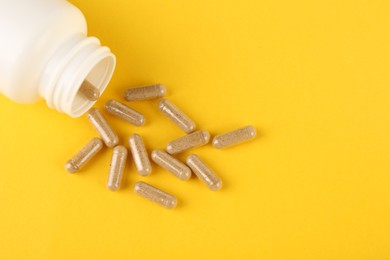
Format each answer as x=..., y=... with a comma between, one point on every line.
x=189, y=141
x=140, y=155
x=234, y=137
x=117, y=167
x=124, y=112
x=203, y=172
x=156, y=195
x=176, y=116
x=171, y=164
x=89, y=91
x=83, y=156
x=145, y=93
x=101, y=125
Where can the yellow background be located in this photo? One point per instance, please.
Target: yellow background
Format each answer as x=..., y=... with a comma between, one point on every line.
x=311, y=76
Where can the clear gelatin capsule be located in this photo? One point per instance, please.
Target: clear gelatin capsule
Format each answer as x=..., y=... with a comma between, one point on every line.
x=203, y=172
x=234, y=137
x=89, y=91
x=156, y=195
x=117, y=167
x=176, y=116
x=145, y=93
x=83, y=156
x=140, y=155
x=110, y=138
x=171, y=164
x=189, y=141
x=124, y=112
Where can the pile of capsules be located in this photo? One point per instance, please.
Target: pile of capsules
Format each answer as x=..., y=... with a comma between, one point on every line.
x=166, y=158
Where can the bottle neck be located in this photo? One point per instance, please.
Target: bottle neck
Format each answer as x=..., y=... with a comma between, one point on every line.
x=80, y=58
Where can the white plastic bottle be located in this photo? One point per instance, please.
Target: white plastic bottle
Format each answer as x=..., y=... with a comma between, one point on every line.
x=45, y=53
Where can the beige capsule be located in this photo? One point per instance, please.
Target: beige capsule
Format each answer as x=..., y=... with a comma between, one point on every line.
x=189, y=141
x=156, y=195
x=203, y=172
x=234, y=137
x=83, y=156
x=145, y=93
x=176, y=116
x=124, y=112
x=110, y=138
x=89, y=91
x=140, y=155
x=171, y=164
x=117, y=167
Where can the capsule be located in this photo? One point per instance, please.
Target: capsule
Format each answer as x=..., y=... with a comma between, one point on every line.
x=189, y=141
x=89, y=91
x=171, y=164
x=203, y=172
x=156, y=195
x=83, y=156
x=234, y=137
x=110, y=138
x=176, y=116
x=140, y=155
x=124, y=112
x=117, y=166
x=145, y=93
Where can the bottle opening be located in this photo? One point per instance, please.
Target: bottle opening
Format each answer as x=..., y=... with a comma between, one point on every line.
x=81, y=59
x=99, y=76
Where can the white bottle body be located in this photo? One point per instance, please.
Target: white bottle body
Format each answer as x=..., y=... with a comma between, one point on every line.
x=45, y=53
